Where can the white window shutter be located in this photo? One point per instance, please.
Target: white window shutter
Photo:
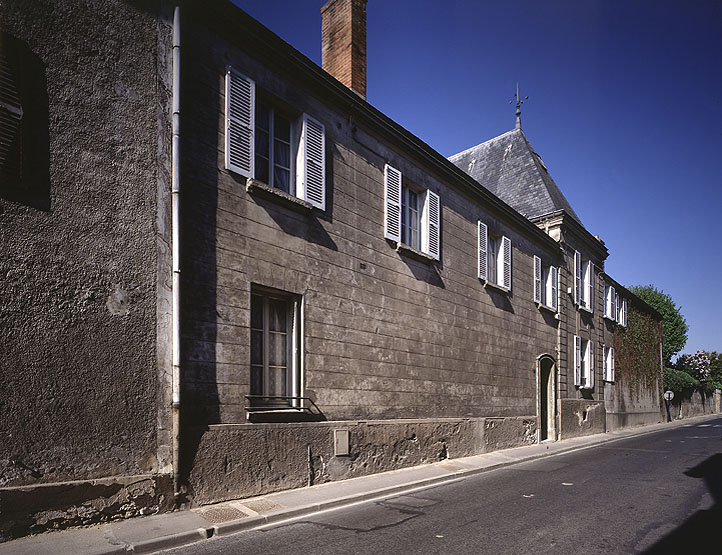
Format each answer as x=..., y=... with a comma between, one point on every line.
x=577, y=276
x=506, y=248
x=624, y=312
x=611, y=364
x=618, y=304
x=590, y=364
x=537, y=279
x=312, y=187
x=554, y=289
x=577, y=360
x=431, y=221
x=612, y=304
x=240, y=114
x=392, y=203
x=590, y=286
x=605, y=366
x=483, y=238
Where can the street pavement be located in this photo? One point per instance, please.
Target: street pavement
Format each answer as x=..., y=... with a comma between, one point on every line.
x=648, y=489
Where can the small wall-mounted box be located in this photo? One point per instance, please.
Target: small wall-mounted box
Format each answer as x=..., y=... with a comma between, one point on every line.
x=341, y=443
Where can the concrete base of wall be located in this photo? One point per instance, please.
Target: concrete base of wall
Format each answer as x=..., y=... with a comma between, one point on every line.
x=620, y=420
x=696, y=403
x=231, y=461
x=32, y=509
x=581, y=417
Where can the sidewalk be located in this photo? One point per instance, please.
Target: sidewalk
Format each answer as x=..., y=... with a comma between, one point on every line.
x=154, y=533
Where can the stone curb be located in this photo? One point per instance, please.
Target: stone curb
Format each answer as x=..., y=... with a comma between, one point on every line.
x=167, y=542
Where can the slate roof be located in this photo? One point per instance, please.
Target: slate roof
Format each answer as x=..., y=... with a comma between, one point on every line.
x=510, y=168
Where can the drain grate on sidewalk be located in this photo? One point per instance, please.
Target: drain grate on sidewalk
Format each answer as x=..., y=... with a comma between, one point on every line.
x=262, y=505
x=224, y=513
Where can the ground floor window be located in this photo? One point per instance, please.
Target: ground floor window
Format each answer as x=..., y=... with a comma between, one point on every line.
x=275, y=368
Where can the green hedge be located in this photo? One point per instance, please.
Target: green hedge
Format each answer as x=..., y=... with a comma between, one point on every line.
x=679, y=381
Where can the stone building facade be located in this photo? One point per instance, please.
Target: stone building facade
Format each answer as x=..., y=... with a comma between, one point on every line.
x=238, y=276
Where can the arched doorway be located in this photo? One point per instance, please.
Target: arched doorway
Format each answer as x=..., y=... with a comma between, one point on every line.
x=545, y=399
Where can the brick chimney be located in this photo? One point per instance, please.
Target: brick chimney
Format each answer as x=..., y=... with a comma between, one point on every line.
x=343, y=42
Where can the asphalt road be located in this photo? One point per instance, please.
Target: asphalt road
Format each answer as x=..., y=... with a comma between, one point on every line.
x=657, y=493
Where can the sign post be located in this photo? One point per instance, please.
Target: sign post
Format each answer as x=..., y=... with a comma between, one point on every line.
x=668, y=396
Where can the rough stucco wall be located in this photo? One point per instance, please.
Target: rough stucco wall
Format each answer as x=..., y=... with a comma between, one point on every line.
x=78, y=281
x=225, y=468
x=581, y=417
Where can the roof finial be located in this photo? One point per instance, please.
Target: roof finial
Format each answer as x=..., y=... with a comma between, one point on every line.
x=519, y=102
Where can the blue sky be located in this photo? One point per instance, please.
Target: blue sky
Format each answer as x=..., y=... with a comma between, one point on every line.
x=625, y=108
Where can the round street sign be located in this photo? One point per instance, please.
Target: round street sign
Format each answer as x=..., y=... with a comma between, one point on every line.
x=669, y=395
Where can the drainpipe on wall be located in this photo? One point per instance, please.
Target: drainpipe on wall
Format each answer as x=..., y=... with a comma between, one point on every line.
x=175, y=232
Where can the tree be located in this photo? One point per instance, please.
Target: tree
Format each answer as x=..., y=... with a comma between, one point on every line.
x=675, y=326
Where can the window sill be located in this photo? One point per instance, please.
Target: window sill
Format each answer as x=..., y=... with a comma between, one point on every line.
x=610, y=319
x=255, y=187
x=547, y=308
x=404, y=249
x=496, y=286
x=585, y=309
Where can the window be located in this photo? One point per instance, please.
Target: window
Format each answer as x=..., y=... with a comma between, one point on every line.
x=273, y=164
x=608, y=363
x=546, y=284
x=275, y=359
x=583, y=363
x=583, y=282
x=285, y=152
x=494, y=258
x=621, y=311
x=11, y=119
x=412, y=216
x=610, y=302
x=615, y=307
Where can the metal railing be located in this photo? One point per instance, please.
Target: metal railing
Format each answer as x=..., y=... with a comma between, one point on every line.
x=265, y=404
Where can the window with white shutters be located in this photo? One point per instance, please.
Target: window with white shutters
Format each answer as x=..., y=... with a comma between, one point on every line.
x=583, y=282
x=392, y=203
x=412, y=215
x=583, y=363
x=431, y=220
x=546, y=284
x=608, y=361
x=577, y=360
x=495, y=253
x=285, y=152
x=623, y=313
x=577, y=277
x=312, y=154
x=240, y=117
x=506, y=261
x=553, y=288
x=610, y=310
x=482, y=248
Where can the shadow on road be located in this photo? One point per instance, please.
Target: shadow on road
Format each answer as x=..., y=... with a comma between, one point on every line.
x=702, y=528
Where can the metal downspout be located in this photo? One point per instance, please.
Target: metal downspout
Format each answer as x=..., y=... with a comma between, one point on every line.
x=175, y=226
